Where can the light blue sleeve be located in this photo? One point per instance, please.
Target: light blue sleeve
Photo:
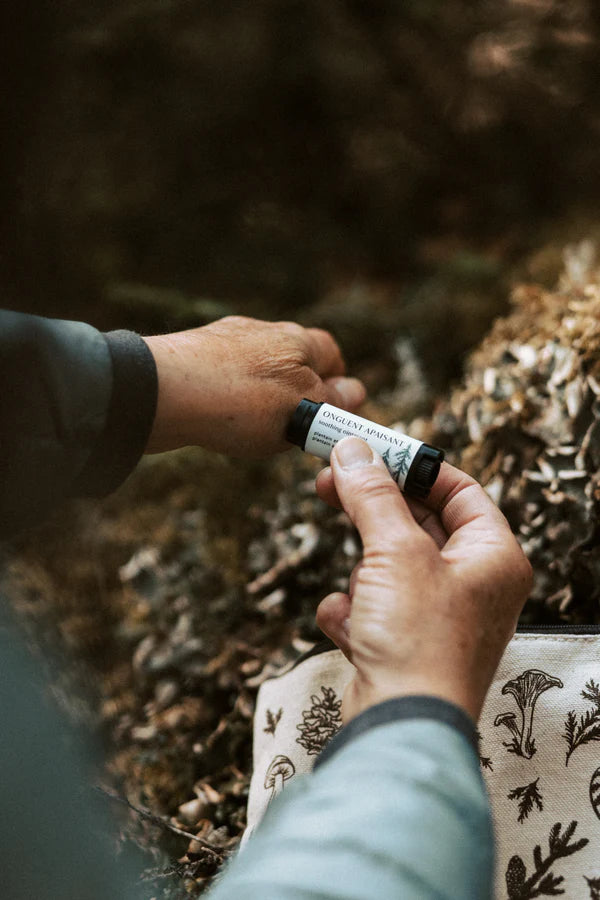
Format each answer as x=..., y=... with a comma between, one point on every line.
x=399, y=812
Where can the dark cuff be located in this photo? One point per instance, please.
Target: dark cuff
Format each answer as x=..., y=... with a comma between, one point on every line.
x=130, y=416
x=398, y=708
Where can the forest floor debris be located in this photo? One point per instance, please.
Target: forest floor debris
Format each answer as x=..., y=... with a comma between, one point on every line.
x=177, y=597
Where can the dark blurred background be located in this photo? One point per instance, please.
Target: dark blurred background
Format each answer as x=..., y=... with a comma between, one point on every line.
x=169, y=161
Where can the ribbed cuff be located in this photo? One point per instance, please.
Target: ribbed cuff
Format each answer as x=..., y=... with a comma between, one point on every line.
x=130, y=416
x=396, y=709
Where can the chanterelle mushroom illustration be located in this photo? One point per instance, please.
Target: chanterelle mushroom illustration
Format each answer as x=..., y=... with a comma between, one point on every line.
x=510, y=720
x=280, y=771
x=526, y=688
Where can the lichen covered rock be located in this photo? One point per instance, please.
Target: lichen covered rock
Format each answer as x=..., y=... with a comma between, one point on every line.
x=526, y=424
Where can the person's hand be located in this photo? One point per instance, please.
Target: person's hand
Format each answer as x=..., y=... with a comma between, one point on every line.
x=232, y=386
x=436, y=597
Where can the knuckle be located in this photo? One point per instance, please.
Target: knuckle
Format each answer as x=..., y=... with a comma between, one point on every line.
x=524, y=571
x=292, y=370
x=325, y=336
x=375, y=486
x=291, y=328
x=517, y=568
x=465, y=482
x=235, y=320
x=392, y=544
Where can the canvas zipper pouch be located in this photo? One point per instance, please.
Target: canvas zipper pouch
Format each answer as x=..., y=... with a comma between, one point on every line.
x=539, y=753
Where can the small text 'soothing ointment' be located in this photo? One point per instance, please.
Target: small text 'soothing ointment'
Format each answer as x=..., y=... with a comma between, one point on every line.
x=317, y=427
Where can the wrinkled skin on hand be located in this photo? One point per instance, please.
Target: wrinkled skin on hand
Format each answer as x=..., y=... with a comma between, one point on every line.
x=437, y=595
x=232, y=386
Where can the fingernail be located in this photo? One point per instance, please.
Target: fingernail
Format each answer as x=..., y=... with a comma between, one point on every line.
x=352, y=453
x=350, y=390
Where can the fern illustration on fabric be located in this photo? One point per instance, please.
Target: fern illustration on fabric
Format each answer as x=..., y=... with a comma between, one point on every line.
x=525, y=688
x=397, y=461
x=528, y=795
x=588, y=727
x=594, y=886
x=273, y=720
x=542, y=881
x=484, y=761
x=320, y=722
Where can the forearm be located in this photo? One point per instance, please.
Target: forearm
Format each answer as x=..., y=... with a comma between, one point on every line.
x=76, y=409
x=398, y=811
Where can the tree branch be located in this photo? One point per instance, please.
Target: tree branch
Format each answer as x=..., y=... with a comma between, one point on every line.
x=160, y=821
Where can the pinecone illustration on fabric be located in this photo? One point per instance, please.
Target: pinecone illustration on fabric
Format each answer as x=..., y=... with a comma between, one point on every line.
x=321, y=722
x=542, y=880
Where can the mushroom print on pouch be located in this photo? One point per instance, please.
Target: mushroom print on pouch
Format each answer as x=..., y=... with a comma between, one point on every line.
x=280, y=771
x=526, y=689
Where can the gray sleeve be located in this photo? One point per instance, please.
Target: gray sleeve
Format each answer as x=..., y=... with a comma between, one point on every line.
x=57, y=839
x=398, y=811
x=76, y=408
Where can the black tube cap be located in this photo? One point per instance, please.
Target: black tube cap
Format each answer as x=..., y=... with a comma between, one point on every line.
x=423, y=471
x=299, y=425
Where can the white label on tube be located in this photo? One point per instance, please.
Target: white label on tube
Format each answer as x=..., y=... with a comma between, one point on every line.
x=331, y=424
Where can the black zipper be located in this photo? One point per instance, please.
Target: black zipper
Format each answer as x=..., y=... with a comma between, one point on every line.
x=321, y=647
x=327, y=644
x=558, y=629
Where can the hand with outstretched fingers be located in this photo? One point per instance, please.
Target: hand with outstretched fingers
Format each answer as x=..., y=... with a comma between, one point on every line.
x=232, y=386
x=438, y=592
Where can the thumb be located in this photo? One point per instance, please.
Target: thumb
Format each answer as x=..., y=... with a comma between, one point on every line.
x=333, y=618
x=370, y=496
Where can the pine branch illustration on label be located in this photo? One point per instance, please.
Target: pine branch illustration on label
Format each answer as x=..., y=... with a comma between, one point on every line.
x=588, y=727
x=528, y=795
x=542, y=881
x=320, y=722
x=525, y=688
x=397, y=461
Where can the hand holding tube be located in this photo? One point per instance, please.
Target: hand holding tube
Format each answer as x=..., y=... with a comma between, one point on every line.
x=436, y=597
x=317, y=428
x=229, y=386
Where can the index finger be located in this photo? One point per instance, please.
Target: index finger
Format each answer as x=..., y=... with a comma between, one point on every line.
x=425, y=517
x=480, y=537
x=324, y=353
x=460, y=501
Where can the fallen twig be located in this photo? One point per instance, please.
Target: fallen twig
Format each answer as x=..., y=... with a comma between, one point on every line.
x=160, y=821
x=308, y=535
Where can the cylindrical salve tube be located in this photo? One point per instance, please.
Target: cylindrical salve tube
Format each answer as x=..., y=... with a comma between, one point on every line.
x=317, y=427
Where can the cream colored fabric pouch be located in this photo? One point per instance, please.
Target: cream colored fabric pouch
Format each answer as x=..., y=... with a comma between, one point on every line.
x=539, y=753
